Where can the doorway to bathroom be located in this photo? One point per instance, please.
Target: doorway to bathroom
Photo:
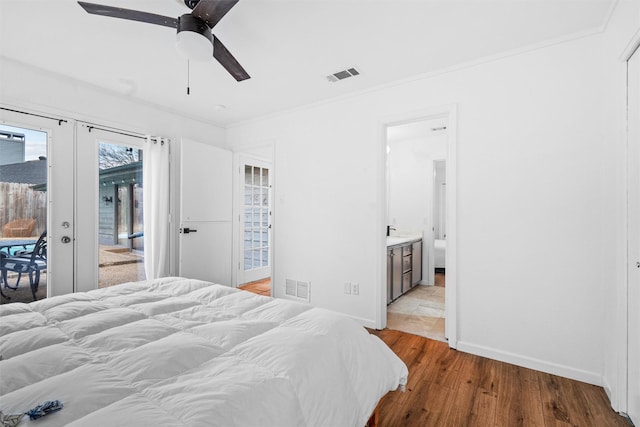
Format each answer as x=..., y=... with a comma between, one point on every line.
x=416, y=214
x=419, y=167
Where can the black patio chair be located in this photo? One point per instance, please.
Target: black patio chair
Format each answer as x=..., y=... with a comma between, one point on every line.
x=32, y=263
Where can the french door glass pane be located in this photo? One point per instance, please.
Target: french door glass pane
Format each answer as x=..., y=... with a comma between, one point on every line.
x=256, y=217
x=247, y=195
x=121, y=213
x=247, y=260
x=23, y=202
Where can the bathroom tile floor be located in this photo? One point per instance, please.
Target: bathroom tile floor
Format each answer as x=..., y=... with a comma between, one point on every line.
x=420, y=311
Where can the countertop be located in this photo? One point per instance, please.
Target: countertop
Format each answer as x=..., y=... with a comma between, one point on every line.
x=400, y=240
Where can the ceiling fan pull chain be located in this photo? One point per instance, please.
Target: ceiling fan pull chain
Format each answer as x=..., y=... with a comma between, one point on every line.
x=188, y=89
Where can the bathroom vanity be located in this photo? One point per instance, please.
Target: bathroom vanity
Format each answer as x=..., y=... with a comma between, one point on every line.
x=404, y=264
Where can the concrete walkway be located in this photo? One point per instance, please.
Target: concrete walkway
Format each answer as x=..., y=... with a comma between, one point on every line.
x=116, y=255
x=118, y=265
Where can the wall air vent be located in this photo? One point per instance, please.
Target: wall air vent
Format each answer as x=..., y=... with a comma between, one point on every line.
x=297, y=289
x=344, y=74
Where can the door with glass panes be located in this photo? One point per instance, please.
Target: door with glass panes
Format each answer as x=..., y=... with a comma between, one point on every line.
x=109, y=226
x=36, y=199
x=255, y=223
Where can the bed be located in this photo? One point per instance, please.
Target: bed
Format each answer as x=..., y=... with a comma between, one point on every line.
x=184, y=352
x=440, y=248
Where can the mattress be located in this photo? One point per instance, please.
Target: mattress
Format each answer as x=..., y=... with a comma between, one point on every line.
x=183, y=352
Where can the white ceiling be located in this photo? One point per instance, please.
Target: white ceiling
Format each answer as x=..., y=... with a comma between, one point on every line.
x=287, y=46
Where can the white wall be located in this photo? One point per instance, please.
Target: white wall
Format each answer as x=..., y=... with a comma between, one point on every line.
x=411, y=180
x=29, y=87
x=530, y=224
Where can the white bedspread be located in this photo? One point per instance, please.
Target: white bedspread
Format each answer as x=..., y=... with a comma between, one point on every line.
x=181, y=352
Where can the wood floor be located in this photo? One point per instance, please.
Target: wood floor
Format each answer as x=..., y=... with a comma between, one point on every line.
x=450, y=388
x=261, y=287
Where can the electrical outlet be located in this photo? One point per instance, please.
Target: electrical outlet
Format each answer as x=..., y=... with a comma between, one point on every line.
x=355, y=288
x=347, y=288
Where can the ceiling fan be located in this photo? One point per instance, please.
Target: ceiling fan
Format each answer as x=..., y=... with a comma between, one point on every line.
x=193, y=28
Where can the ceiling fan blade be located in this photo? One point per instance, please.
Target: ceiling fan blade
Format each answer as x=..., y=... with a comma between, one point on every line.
x=226, y=59
x=212, y=11
x=132, y=15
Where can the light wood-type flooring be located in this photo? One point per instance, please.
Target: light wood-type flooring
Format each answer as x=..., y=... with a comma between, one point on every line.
x=261, y=287
x=449, y=388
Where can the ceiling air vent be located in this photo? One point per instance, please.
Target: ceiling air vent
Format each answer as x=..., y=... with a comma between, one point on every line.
x=344, y=74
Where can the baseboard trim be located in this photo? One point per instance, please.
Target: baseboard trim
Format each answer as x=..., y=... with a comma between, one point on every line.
x=609, y=391
x=531, y=363
x=364, y=322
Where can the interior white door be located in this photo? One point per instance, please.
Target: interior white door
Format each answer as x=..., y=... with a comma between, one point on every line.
x=633, y=248
x=206, y=246
x=60, y=218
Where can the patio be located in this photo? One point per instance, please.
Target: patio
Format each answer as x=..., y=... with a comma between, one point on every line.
x=117, y=265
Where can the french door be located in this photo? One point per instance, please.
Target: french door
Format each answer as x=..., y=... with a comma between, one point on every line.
x=255, y=220
x=56, y=190
x=109, y=230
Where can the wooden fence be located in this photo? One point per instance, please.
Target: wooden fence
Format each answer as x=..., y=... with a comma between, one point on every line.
x=20, y=201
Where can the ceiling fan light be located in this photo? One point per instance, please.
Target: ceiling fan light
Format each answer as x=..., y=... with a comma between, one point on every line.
x=194, y=39
x=194, y=46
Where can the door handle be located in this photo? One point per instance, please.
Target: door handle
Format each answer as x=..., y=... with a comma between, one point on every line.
x=638, y=264
x=187, y=230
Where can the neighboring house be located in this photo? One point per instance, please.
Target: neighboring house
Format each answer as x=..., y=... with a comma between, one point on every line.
x=120, y=199
x=32, y=172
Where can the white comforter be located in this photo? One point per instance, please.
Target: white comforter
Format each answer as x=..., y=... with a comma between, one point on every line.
x=181, y=352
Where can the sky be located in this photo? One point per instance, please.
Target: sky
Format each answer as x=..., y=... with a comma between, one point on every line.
x=36, y=141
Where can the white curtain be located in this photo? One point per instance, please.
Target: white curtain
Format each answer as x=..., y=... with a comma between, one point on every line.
x=155, y=199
